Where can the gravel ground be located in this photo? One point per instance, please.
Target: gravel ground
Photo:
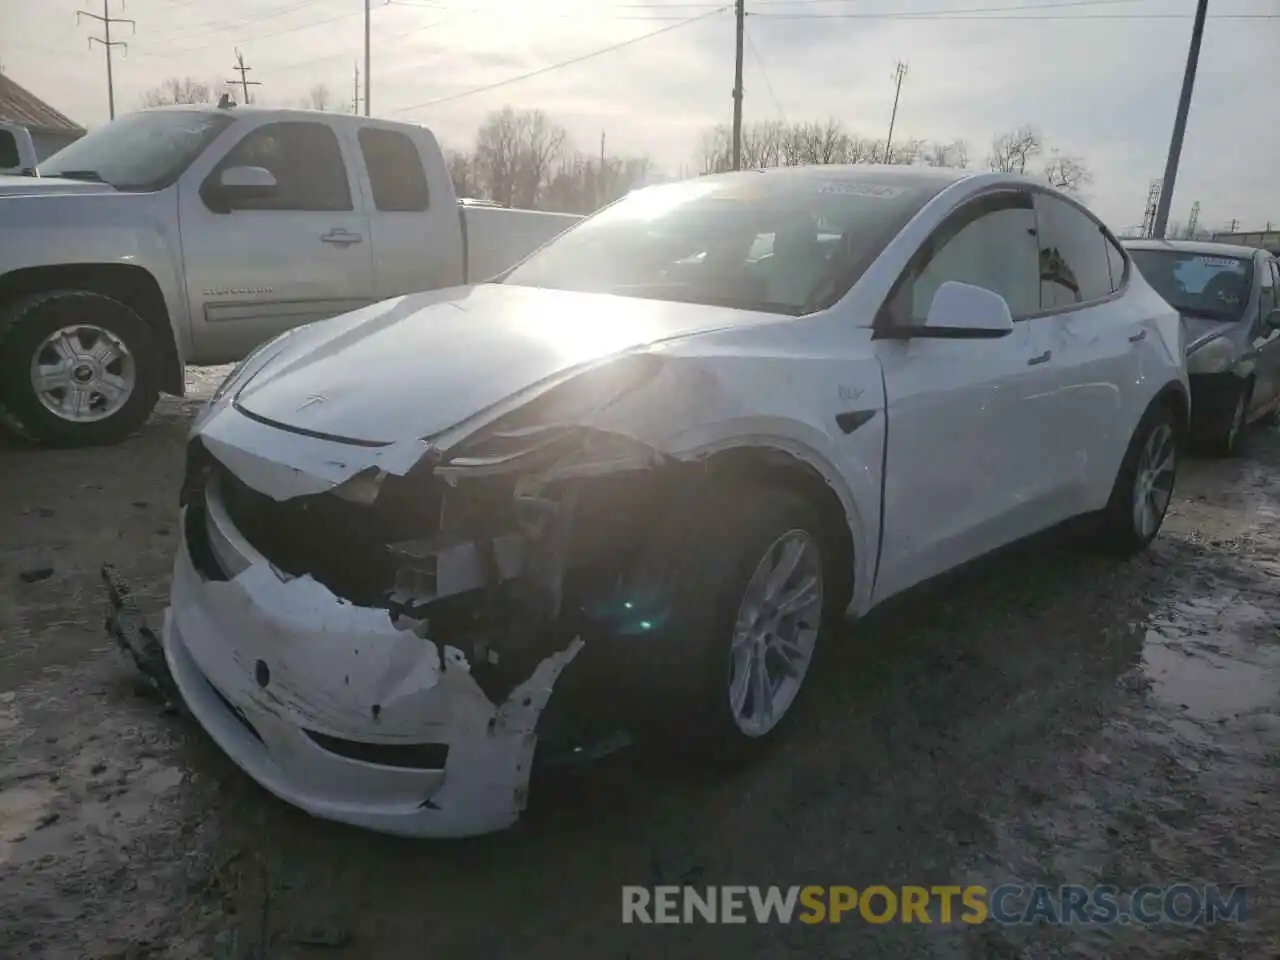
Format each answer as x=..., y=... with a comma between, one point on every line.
x=1045, y=717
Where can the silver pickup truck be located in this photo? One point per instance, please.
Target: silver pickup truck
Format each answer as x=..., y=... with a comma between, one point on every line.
x=188, y=235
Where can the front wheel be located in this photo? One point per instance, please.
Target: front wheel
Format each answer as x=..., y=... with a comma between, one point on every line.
x=1143, y=488
x=738, y=592
x=77, y=368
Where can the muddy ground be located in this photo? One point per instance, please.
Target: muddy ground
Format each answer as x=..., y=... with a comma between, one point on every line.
x=1047, y=717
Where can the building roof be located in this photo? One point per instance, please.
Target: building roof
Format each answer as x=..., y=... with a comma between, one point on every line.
x=18, y=105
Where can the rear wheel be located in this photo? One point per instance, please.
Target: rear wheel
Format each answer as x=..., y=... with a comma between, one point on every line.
x=77, y=368
x=1143, y=488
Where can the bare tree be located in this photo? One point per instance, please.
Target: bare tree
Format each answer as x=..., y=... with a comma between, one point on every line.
x=715, y=150
x=181, y=90
x=1067, y=172
x=318, y=97
x=542, y=142
x=462, y=171
x=941, y=154
x=498, y=155
x=1011, y=152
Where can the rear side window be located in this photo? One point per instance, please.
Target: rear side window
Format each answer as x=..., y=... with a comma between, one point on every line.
x=395, y=170
x=304, y=158
x=1075, y=263
x=8, y=149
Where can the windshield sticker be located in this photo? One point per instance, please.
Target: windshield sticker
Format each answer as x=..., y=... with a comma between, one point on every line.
x=844, y=188
x=1218, y=262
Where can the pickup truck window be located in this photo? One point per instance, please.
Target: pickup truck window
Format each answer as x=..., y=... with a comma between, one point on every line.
x=395, y=171
x=306, y=161
x=141, y=152
x=700, y=241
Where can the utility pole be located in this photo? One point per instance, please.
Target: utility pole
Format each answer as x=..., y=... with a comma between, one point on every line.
x=600, y=184
x=899, y=74
x=355, y=91
x=368, y=73
x=740, y=13
x=1193, y=222
x=1235, y=225
x=1180, y=121
x=107, y=20
x=245, y=83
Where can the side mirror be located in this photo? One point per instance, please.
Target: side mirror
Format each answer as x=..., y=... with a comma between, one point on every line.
x=961, y=311
x=237, y=184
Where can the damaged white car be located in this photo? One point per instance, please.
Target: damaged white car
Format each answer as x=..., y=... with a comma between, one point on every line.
x=635, y=481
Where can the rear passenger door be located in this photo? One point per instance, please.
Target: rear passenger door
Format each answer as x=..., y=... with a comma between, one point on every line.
x=1094, y=338
x=416, y=231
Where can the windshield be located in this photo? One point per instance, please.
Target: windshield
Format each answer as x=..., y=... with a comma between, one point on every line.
x=786, y=242
x=142, y=151
x=1194, y=283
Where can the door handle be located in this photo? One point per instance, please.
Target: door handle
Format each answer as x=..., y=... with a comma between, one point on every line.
x=1043, y=358
x=340, y=237
x=1138, y=337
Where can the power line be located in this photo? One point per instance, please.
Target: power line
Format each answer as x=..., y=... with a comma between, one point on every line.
x=563, y=63
x=107, y=45
x=755, y=52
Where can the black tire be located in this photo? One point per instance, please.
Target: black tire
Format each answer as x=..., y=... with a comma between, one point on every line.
x=27, y=323
x=1118, y=534
x=692, y=575
x=1228, y=442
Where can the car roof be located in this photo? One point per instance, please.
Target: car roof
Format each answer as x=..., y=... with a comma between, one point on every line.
x=879, y=173
x=1208, y=248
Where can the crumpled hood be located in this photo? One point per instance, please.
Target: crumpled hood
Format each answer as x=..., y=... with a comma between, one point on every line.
x=1200, y=330
x=415, y=366
x=48, y=186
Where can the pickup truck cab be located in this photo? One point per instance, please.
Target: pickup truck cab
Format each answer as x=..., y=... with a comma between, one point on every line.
x=191, y=234
x=17, y=151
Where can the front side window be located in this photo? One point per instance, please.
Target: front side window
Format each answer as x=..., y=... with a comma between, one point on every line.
x=785, y=242
x=140, y=152
x=988, y=243
x=395, y=170
x=1075, y=267
x=304, y=158
x=1198, y=284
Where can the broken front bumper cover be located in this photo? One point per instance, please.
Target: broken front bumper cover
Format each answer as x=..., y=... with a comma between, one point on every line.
x=336, y=709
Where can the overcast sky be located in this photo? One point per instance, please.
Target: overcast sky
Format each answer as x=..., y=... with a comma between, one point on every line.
x=1103, y=89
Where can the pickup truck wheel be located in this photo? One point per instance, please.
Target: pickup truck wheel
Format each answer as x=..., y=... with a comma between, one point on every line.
x=77, y=368
x=733, y=592
x=1143, y=487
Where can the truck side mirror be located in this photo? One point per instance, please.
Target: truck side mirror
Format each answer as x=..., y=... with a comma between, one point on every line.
x=238, y=184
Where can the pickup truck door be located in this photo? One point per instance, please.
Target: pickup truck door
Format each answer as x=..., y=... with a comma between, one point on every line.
x=414, y=226
x=273, y=262
x=963, y=415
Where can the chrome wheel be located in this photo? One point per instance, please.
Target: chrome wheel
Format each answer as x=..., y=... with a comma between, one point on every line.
x=775, y=632
x=83, y=373
x=1153, y=483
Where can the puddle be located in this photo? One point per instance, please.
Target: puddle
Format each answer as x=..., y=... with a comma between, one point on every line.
x=1204, y=684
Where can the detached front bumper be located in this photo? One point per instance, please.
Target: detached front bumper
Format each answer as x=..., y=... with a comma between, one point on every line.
x=335, y=709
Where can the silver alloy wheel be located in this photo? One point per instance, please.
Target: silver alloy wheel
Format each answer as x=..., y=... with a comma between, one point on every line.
x=775, y=632
x=1153, y=483
x=83, y=373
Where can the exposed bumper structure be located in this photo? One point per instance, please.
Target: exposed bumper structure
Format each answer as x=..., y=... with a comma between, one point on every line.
x=336, y=709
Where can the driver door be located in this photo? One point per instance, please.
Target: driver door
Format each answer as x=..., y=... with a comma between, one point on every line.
x=298, y=255
x=963, y=425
